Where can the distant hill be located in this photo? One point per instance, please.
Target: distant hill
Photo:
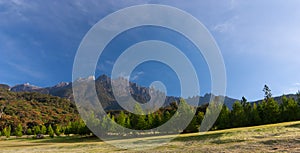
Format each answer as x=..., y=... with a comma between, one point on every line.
x=279, y=98
x=4, y=86
x=32, y=108
x=63, y=89
x=24, y=88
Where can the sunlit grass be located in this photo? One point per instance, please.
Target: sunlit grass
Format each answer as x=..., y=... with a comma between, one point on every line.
x=282, y=137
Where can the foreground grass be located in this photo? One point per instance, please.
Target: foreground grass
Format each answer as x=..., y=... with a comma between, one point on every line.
x=282, y=137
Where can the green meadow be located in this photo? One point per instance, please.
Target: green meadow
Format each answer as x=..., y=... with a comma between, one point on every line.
x=281, y=137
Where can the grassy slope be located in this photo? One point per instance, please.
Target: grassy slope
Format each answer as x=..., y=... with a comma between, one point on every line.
x=282, y=137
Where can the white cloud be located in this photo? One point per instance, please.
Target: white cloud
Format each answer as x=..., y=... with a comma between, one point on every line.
x=227, y=26
x=223, y=27
x=137, y=75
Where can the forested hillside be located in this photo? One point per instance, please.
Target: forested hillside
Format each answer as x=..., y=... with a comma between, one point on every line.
x=31, y=109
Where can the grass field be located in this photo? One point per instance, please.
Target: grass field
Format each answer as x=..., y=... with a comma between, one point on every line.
x=282, y=137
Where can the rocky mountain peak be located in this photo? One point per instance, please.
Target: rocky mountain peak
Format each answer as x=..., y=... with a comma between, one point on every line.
x=62, y=84
x=24, y=87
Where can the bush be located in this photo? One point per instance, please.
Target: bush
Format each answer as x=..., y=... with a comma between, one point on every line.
x=6, y=132
x=43, y=130
x=57, y=130
x=50, y=131
x=29, y=132
x=19, y=131
x=36, y=130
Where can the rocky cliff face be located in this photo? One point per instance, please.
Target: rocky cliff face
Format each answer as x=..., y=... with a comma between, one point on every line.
x=24, y=88
x=106, y=96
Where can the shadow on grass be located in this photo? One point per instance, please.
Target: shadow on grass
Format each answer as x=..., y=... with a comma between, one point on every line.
x=78, y=139
x=151, y=141
x=215, y=137
x=269, y=142
x=200, y=137
x=274, y=142
x=23, y=145
x=69, y=139
x=227, y=141
x=294, y=126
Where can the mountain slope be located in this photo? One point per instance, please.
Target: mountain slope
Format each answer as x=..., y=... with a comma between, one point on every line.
x=32, y=108
x=106, y=96
x=24, y=87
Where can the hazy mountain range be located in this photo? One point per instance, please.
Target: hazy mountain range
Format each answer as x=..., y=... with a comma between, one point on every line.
x=105, y=93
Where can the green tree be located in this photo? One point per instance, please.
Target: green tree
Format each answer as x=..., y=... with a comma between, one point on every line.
x=138, y=121
x=150, y=119
x=289, y=109
x=270, y=111
x=36, y=130
x=121, y=119
x=255, y=118
x=6, y=132
x=50, y=131
x=93, y=121
x=105, y=124
x=43, y=129
x=193, y=126
x=183, y=114
x=74, y=127
x=166, y=116
x=29, y=131
x=223, y=120
x=157, y=120
x=112, y=127
x=200, y=117
x=68, y=129
x=248, y=113
x=298, y=97
x=244, y=101
x=19, y=131
x=84, y=130
x=128, y=125
x=57, y=130
x=237, y=115
x=267, y=92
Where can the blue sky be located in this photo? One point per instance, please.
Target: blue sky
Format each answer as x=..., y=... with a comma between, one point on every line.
x=259, y=40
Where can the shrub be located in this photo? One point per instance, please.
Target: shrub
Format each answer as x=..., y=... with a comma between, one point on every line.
x=50, y=131
x=19, y=131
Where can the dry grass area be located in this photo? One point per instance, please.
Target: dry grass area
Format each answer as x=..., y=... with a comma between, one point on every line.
x=282, y=137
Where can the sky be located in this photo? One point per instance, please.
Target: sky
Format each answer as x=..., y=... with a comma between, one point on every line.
x=259, y=41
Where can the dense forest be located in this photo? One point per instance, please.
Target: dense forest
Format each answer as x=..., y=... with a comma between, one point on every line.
x=21, y=112
x=25, y=113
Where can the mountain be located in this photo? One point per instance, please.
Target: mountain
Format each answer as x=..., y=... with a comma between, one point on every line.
x=24, y=87
x=63, y=89
x=106, y=96
x=279, y=98
x=207, y=97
